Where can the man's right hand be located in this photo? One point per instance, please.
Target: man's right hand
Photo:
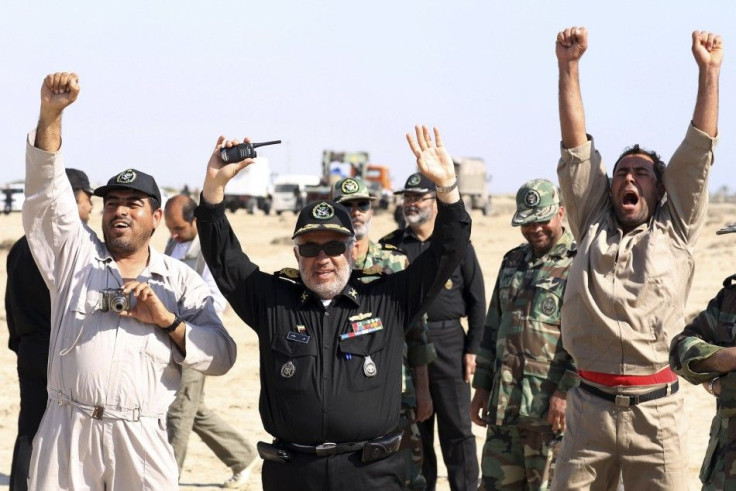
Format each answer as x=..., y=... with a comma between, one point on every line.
x=219, y=173
x=478, y=407
x=58, y=90
x=571, y=44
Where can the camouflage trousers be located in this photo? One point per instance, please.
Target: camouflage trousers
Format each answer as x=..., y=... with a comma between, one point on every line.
x=518, y=458
x=719, y=466
x=411, y=449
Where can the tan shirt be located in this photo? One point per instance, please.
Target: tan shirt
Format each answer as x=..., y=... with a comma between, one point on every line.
x=101, y=358
x=626, y=294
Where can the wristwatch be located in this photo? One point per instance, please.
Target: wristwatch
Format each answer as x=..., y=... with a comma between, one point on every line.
x=177, y=320
x=710, y=385
x=447, y=189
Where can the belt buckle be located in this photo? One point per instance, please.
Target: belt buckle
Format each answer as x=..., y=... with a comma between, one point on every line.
x=325, y=448
x=98, y=411
x=624, y=401
x=136, y=414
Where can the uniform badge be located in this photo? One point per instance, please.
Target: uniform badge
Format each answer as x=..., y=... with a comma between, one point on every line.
x=305, y=296
x=532, y=198
x=292, y=273
x=369, y=367
x=349, y=186
x=361, y=326
x=549, y=306
x=125, y=177
x=448, y=285
x=288, y=370
x=413, y=180
x=323, y=211
x=353, y=293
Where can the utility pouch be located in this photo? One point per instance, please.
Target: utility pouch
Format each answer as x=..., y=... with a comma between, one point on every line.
x=271, y=452
x=381, y=448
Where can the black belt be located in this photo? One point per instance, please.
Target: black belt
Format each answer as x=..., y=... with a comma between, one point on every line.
x=443, y=324
x=376, y=449
x=626, y=401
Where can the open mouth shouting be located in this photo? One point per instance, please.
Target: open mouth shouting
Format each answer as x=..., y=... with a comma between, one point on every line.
x=629, y=200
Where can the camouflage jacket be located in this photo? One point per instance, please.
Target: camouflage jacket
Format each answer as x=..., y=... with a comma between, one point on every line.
x=712, y=330
x=521, y=360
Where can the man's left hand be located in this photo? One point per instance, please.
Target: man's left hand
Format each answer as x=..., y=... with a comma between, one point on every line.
x=556, y=415
x=148, y=308
x=469, y=365
x=433, y=159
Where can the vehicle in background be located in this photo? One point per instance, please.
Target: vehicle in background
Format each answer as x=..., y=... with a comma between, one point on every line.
x=251, y=188
x=13, y=197
x=337, y=165
x=472, y=182
x=290, y=191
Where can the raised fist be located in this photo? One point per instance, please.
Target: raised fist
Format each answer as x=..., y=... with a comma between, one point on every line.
x=707, y=49
x=59, y=90
x=571, y=44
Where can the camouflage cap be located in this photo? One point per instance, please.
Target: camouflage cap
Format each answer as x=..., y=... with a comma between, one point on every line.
x=536, y=201
x=728, y=229
x=350, y=188
x=417, y=183
x=323, y=215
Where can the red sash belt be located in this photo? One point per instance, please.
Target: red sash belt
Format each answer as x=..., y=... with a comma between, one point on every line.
x=664, y=376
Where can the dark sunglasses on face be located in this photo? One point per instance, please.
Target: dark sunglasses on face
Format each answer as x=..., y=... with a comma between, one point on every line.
x=361, y=205
x=332, y=249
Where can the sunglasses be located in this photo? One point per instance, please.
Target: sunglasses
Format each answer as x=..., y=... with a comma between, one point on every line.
x=361, y=205
x=416, y=198
x=332, y=249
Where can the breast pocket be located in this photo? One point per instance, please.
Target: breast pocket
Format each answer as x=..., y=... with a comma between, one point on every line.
x=547, y=302
x=363, y=358
x=293, y=366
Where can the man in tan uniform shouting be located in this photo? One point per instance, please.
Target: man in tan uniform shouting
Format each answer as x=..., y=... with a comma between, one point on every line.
x=628, y=285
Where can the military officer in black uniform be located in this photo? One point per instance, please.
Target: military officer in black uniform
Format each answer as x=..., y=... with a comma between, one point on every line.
x=449, y=375
x=331, y=346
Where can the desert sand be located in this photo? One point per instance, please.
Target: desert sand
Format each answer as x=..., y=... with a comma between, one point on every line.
x=266, y=238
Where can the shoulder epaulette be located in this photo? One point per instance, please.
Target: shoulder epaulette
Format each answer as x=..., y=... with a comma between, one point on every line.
x=390, y=236
x=729, y=282
x=291, y=274
x=514, y=253
x=389, y=247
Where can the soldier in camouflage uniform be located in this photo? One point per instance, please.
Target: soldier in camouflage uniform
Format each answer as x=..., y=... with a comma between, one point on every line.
x=704, y=353
x=522, y=373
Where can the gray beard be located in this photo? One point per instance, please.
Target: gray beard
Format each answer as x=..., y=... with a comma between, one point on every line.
x=327, y=291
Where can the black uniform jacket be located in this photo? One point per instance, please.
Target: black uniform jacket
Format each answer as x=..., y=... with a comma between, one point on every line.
x=317, y=386
x=462, y=295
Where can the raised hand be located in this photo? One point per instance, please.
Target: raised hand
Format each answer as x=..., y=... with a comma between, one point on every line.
x=571, y=44
x=707, y=49
x=219, y=173
x=433, y=159
x=59, y=90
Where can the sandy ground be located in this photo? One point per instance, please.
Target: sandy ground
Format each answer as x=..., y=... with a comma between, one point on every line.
x=235, y=395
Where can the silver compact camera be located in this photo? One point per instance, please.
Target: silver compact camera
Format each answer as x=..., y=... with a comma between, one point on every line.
x=114, y=299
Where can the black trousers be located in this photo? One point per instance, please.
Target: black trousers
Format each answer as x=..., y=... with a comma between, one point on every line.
x=451, y=400
x=32, y=357
x=334, y=473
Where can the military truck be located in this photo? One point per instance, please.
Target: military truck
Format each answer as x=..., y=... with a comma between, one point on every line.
x=472, y=182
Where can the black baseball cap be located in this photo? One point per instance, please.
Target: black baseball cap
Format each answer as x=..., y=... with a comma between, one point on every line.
x=324, y=215
x=131, y=179
x=418, y=183
x=79, y=180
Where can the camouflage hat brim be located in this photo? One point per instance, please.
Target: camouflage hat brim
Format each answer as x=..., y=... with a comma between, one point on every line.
x=525, y=217
x=728, y=229
x=354, y=197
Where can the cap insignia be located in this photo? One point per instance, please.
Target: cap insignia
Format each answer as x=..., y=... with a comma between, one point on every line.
x=532, y=198
x=126, y=177
x=323, y=211
x=349, y=186
x=413, y=180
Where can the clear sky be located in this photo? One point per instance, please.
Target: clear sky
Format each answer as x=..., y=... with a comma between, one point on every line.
x=161, y=80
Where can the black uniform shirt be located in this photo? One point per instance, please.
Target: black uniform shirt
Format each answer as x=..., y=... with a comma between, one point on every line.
x=315, y=386
x=462, y=295
x=27, y=303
